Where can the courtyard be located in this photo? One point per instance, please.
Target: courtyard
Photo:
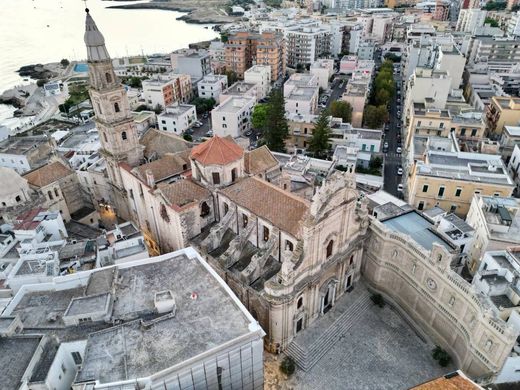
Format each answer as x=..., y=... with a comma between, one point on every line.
x=380, y=351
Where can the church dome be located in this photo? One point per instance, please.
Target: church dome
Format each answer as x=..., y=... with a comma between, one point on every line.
x=217, y=151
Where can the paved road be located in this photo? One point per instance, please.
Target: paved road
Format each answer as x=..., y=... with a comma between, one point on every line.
x=337, y=91
x=392, y=160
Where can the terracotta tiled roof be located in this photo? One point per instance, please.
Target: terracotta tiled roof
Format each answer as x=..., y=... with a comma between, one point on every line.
x=26, y=220
x=47, y=174
x=159, y=143
x=217, y=151
x=163, y=168
x=453, y=381
x=183, y=192
x=259, y=160
x=283, y=209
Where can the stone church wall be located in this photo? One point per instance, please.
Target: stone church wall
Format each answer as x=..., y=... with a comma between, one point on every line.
x=444, y=305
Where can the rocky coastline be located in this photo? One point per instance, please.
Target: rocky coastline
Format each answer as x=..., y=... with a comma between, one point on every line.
x=209, y=12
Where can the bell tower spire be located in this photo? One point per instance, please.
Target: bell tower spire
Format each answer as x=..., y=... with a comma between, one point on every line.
x=114, y=121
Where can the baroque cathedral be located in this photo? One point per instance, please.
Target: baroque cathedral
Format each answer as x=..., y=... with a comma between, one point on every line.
x=286, y=256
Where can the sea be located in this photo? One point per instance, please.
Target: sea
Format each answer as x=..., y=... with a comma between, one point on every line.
x=43, y=31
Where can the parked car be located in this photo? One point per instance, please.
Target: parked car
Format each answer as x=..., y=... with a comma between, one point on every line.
x=400, y=188
x=400, y=171
x=205, y=115
x=249, y=132
x=197, y=124
x=399, y=150
x=209, y=133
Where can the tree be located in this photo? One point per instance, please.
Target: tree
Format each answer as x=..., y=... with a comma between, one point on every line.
x=319, y=143
x=64, y=62
x=287, y=366
x=382, y=96
x=276, y=128
x=341, y=109
x=375, y=163
x=158, y=109
x=375, y=116
x=40, y=83
x=495, y=5
x=492, y=22
x=136, y=82
x=441, y=356
x=142, y=107
x=187, y=137
x=224, y=37
x=231, y=77
x=203, y=105
x=259, y=116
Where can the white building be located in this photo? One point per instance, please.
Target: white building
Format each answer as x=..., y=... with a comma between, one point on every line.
x=177, y=118
x=451, y=61
x=514, y=163
x=123, y=244
x=470, y=20
x=240, y=89
x=260, y=75
x=158, y=307
x=233, y=116
x=302, y=100
x=211, y=86
x=196, y=63
x=428, y=85
x=299, y=80
x=496, y=221
x=323, y=69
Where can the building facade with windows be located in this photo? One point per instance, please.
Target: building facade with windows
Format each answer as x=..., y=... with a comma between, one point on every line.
x=233, y=116
x=177, y=118
x=451, y=179
x=211, y=86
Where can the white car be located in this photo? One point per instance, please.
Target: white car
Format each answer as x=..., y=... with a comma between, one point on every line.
x=400, y=171
x=400, y=188
x=399, y=150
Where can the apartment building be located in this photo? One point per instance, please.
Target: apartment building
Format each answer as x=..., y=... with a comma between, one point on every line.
x=356, y=95
x=177, y=118
x=348, y=64
x=470, y=20
x=494, y=49
x=244, y=49
x=305, y=45
x=217, y=57
x=211, y=86
x=196, y=63
x=259, y=75
x=302, y=100
x=232, y=117
x=430, y=86
x=240, y=89
x=323, y=69
x=502, y=111
x=165, y=90
x=450, y=179
x=496, y=221
x=299, y=80
x=441, y=123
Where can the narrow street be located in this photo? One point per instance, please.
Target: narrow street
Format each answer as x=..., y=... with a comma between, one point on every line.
x=392, y=160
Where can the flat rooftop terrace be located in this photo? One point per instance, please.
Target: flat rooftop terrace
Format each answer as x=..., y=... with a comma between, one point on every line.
x=418, y=228
x=15, y=355
x=206, y=316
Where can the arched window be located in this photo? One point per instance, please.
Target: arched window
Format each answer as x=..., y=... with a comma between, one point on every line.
x=204, y=209
x=244, y=220
x=108, y=76
x=233, y=174
x=289, y=245
x=300, y=303
x=99, y=108
x=226, y=208
x=351, y=260
x=123, y=135
x=266, y=234
x=56, y=192
x=18, y=199
x=330, y=247
x=50, y=195
x=116, y=107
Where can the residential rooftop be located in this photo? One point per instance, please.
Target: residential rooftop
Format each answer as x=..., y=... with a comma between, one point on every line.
x=16, y=354
x=302, y=93
x=234, y=104
x=21, y=145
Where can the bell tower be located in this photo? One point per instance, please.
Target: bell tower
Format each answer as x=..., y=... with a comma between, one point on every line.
x=117, y=131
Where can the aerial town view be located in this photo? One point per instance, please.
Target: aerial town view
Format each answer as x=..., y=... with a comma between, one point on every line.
x=260, y=194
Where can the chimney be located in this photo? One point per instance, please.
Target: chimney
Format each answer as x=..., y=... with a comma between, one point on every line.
x=150, y=180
